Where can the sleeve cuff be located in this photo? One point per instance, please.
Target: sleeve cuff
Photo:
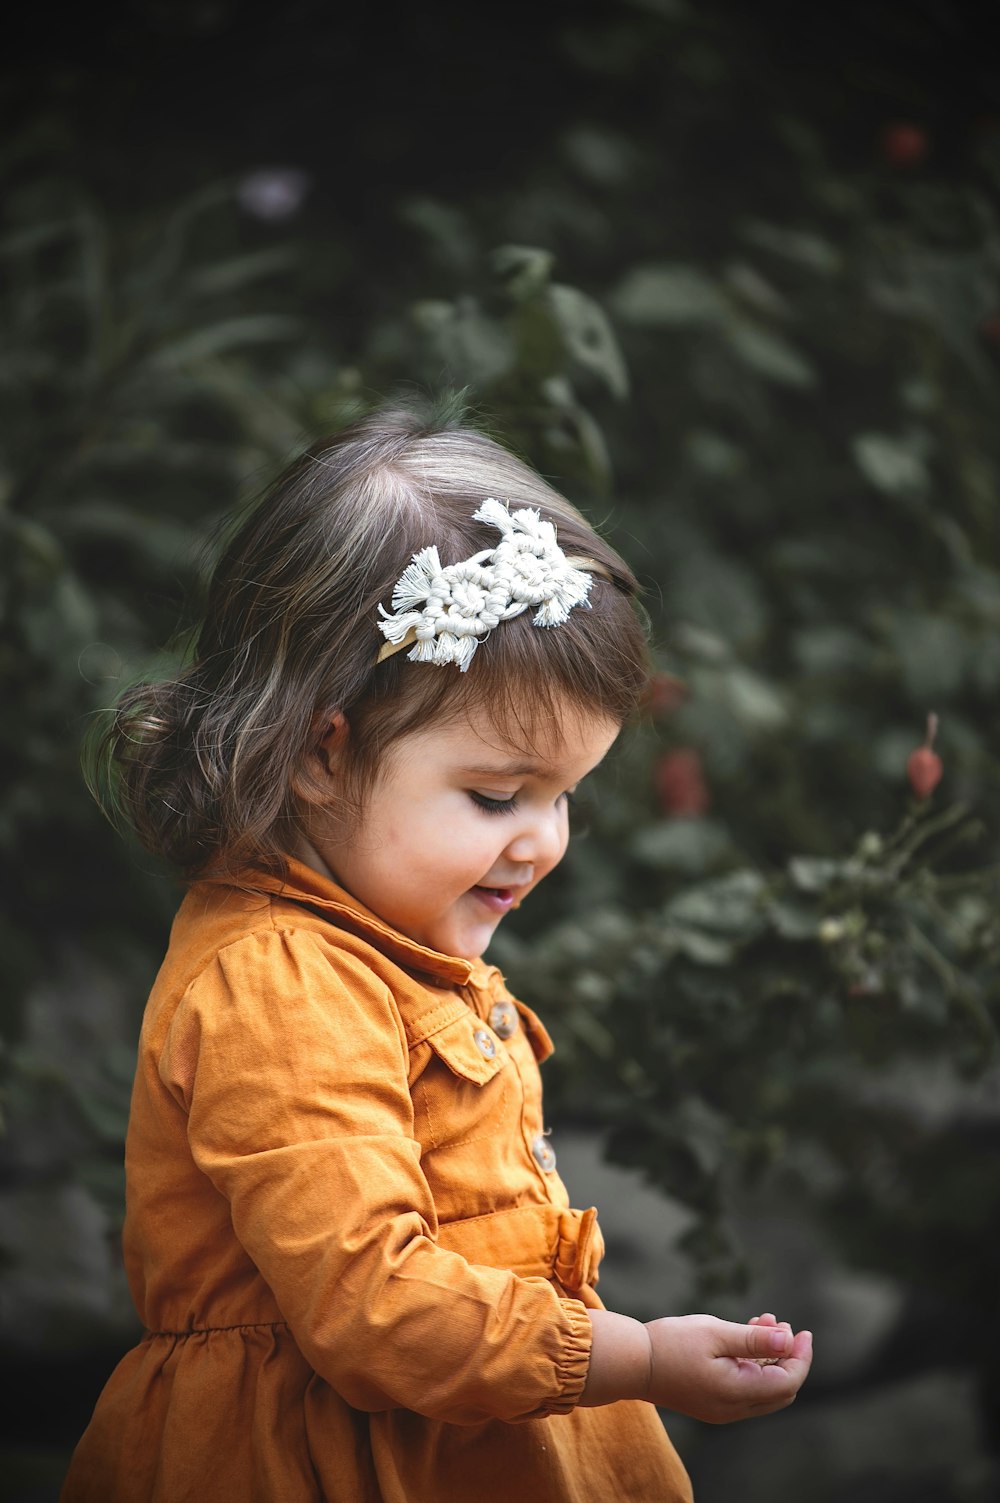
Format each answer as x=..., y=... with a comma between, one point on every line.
x=573, y=1363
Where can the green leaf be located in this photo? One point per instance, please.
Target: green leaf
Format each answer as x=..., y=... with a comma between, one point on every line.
x=590, y=339
x=702, y=948
x=576, y=431
x=729, y=905
x=818, y=873
x=230, y=334
x=154, y=272
x=239, y=272
x=690, y=846
x=524, y=269
x=890, y=464
x=668, y=296
x=793, y=920
x=603, y=156
x=770, y=355
x=754, y=701
x=474, y=348
x=715, y=456
x=802, y=247
x=830, y=648
x=700, y=644
x=934, y=654
x=42, y=547
x=756, y=291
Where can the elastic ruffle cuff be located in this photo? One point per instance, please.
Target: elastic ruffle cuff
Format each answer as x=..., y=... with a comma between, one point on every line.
x=574, y=1363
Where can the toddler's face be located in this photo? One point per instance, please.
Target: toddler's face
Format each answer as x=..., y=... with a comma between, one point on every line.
x=459, y=828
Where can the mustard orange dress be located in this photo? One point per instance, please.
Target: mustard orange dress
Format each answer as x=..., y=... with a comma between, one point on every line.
x=360, y=1275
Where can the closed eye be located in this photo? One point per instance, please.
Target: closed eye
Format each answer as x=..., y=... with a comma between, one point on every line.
x=493, y=805
x=508, y=805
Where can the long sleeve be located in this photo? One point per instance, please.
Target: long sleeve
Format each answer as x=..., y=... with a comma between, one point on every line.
x=293, y=1073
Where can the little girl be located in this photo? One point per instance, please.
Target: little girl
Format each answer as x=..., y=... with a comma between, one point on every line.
x=358, y=1268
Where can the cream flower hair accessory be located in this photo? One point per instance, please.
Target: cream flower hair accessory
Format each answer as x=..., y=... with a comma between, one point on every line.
x=444, y=611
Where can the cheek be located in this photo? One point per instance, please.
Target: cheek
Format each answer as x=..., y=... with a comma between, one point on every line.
x=422, y=837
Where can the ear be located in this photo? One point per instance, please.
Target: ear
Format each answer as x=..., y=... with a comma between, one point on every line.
x=333, y=732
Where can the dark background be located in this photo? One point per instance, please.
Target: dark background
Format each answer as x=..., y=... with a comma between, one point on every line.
x=804, y=474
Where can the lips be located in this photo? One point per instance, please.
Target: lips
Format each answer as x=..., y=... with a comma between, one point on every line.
x=496, y=899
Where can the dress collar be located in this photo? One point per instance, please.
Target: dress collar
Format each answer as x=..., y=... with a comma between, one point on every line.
x=302, y=884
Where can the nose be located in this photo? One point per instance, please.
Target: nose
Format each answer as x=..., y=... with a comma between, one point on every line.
x=540, y=842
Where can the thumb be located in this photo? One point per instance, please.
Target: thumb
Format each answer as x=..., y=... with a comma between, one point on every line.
x=763, y=1343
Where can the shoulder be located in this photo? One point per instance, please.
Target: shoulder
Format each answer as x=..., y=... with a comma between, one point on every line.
x=216, y=923
x=279, y=997
x=250, y=960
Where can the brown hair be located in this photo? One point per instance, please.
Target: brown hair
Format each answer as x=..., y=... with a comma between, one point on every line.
x=211, y=768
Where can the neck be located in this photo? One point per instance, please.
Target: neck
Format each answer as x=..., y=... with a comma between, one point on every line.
x=307, y=853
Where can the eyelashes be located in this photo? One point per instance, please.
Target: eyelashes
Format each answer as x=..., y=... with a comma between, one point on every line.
x=506, y=805
x=493, y=805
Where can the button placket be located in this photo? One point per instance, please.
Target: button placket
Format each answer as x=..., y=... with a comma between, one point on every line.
x=545, y=1154
x=503, y=1019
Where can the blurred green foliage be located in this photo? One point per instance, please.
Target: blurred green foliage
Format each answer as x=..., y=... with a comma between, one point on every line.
x=767, y=961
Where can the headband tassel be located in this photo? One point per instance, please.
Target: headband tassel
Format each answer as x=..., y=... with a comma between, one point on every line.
x=443, y=612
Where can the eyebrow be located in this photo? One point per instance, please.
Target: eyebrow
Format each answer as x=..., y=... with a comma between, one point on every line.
x=509, y=770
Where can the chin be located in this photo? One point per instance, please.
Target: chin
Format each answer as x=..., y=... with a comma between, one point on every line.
x=463, y=934
x=463, y=949
x=469, y=944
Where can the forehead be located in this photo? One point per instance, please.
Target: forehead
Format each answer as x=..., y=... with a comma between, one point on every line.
x=564, y=745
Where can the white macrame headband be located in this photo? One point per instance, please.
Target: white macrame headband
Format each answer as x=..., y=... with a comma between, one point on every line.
x=444, y=612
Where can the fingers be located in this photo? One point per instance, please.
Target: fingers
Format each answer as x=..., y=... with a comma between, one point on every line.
x=761, y=1348
x=800, y=1361
x=762, y=1339
x=770, y=1385
x=787, y=1377
x=751, y=1386
x=772, y=1322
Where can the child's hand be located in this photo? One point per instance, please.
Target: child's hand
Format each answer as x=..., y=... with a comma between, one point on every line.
x=717, y=1370
x=768, y=1320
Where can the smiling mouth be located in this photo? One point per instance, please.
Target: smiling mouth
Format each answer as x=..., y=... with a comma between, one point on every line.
x=496, y=899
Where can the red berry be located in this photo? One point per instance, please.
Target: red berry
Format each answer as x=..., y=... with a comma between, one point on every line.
x=679, y=783
x=904, y=145
x=664, y=694
x=924, y=767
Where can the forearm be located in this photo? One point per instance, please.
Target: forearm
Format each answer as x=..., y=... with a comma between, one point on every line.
x=620, y=1360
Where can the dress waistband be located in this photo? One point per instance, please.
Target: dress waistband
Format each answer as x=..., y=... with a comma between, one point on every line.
x=533, y=1240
